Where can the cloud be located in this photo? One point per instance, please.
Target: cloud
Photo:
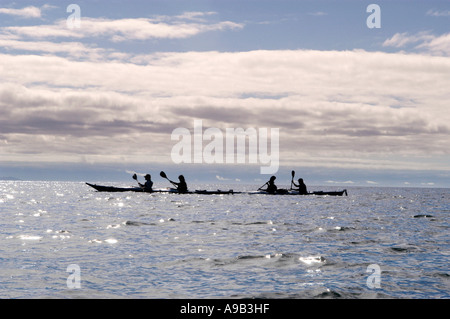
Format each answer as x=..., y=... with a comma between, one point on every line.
x=119, y=30
x=318, y=14
x=199, y=16
x=336, y=182
x=333, y=108
x=437, y=45
x=424, y=42
x=73, y=49
x=220, y=178
x=400, y=40
x=437, y=13
x=27, y=12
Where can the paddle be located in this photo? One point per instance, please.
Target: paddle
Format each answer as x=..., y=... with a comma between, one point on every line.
x=136, y=179
x=292, y=180
x=263, y=186
x=163, y=175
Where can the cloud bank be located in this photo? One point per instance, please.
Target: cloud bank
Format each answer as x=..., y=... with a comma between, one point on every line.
x=333, y=107
x=65, y=99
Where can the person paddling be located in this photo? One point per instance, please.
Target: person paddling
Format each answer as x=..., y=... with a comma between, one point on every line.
x=271, y=187
x=301, y=187
x=181, y=185
x=148, y=186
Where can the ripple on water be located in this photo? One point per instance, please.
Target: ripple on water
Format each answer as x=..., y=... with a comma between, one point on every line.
x=170, y=246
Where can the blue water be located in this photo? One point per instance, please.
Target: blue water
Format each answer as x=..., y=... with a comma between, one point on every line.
x=132, y=245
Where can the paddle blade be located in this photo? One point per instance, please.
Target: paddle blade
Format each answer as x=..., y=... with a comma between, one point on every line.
x=162, y=174
x=135, y=176
x=293, y=174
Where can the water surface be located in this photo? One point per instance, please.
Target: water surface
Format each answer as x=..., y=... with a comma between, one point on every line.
x=132, y=245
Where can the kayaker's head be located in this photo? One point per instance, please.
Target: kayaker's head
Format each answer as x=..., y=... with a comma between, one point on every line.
x=300, y=180
x=148, y=177
x=273, y=178
x=181, y=178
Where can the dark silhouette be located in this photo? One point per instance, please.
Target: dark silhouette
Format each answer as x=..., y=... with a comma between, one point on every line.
x=271, y=187
x=181, y=186
x=148, y=186
x=301, y=187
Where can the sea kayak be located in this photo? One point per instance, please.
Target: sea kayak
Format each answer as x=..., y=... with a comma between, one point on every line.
x=293, y=192
x=101, y=188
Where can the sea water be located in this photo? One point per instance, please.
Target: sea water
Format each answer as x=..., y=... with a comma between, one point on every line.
x=373, y=243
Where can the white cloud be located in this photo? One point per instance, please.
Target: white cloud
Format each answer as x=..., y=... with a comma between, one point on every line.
x=27, y=12
x=437, y=13
x=336, y=182
x=121, y=29
x=73, y=49
x=333, y=108
x=199, y=16
x=437, y=45
x=400, y=40
x=318, y=14
x=220, y=178
x=423, y=41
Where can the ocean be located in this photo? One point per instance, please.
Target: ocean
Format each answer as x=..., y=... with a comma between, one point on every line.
x=66, y=240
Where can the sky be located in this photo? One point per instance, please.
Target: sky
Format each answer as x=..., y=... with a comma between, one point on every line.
x=92, y=90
